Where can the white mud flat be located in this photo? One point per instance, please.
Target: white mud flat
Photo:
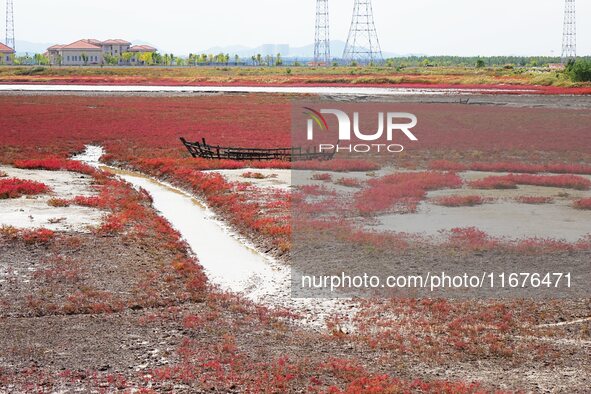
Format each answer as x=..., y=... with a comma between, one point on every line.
x=30, y=212
x=230, y=262
x=271, y=178
x=354, y=91
x=502, y=219
x=503, y=216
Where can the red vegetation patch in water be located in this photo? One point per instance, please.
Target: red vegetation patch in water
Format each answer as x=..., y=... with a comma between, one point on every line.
x=37, y=236
x=54, y=164
x=557, y=168
x=511, y=181
x=58, y=202
x=325, y=177
x=535, y=200
x=459, y=201
x=349, y=182
x=402, y=191
x=584, y=203
x=15, y=188
x=89, y=201
x=253, y=175
x=473, y=239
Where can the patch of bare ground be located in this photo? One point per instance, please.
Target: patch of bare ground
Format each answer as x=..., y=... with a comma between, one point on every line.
x=221, y=343
x=98, y=329
x=85, y=273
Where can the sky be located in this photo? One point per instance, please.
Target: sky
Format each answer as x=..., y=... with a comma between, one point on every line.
x=432, y=27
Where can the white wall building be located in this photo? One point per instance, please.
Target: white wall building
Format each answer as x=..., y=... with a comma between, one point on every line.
x=90, y=52
x=6, y=55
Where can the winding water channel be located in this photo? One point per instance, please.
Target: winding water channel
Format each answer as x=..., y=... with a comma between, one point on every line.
x=230, y=263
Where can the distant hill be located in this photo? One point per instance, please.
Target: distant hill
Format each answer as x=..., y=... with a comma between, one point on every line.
x=307, y=51
x=337, y=48
x=304, y=52
x=24, y=47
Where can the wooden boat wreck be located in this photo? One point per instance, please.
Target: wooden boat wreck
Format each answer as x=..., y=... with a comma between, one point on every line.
x=203, y=150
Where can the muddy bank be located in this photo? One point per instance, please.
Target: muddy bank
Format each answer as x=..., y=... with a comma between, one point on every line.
x=338, y=90
x=109, y=316
x=420, y=96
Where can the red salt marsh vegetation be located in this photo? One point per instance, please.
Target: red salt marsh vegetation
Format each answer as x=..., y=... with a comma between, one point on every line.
x=402, y=192
x=511, y=181
x=133, y=278
x=53, y=164
x=559, y=168
x=534, y=200
x=459, y=201
x=584, y=203
x=325, y=177
x=349, y=182
x=14, y=188
x=133, y=128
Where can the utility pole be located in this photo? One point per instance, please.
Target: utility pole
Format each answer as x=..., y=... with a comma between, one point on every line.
x=322, y=37
x=569, y=35
x=363, y=45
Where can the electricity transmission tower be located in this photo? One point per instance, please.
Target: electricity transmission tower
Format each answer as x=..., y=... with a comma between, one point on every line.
x=322, y=39
x=363, y=45
x=569, y=37
x=10, y=25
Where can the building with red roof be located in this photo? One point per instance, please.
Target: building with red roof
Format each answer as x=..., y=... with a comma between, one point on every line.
x=142, y=48
x=95, y=52
x=6, y=54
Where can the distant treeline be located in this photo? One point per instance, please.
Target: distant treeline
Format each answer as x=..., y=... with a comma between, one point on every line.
x=157, y=59
x=482, y=61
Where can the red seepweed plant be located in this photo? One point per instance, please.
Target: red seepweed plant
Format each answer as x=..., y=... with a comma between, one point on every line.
x=254, y=175
x=14, y=188
x=55, y=164
x=471, y=239
x=515, y=167
x=58, y=202
x=534, y=200
x=90, y=201
x=459, y=201
x=402, y=191
x=349, y=182
x=512, y=180
x=325, y=177
x=584, y=203
x=37, y=236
